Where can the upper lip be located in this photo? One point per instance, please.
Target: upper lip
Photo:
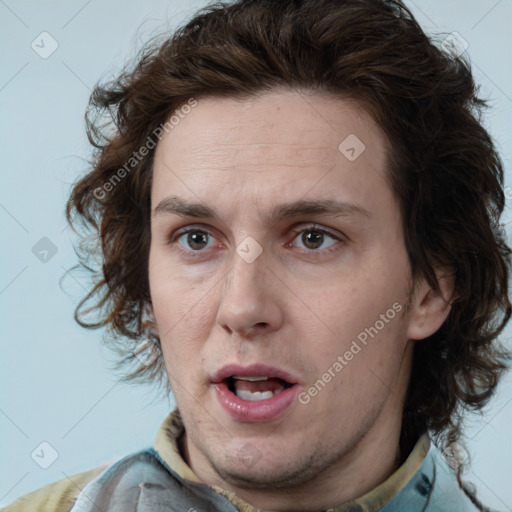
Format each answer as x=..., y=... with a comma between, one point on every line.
x=253, y=370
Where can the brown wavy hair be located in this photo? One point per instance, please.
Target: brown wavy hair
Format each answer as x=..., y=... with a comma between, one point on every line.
x=443, y=168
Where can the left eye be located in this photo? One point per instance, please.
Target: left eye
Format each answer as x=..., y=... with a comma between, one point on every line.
x=313, y=238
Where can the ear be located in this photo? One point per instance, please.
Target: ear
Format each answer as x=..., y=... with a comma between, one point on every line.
x=429, y=310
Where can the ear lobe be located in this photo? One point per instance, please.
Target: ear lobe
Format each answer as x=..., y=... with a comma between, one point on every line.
x=429, y=309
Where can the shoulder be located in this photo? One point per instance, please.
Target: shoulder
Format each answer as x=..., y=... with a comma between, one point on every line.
x=115, y=482
x=58, y=496
x=433, y=486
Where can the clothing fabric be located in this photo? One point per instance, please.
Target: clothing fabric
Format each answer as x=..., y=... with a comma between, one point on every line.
x=158, y=479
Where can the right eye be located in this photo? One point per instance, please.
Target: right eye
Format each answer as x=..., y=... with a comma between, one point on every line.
x=194, y=239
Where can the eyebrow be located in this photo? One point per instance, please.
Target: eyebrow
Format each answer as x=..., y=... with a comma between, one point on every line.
x=328, y=207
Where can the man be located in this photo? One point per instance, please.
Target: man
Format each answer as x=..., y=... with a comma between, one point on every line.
x=300, y=211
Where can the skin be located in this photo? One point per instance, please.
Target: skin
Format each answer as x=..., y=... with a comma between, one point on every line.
x=294, y=307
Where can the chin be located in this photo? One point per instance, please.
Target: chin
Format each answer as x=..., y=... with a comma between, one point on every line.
x=251, y=469
x=268, y=477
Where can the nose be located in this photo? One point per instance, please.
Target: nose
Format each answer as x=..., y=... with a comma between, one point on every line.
x=249, y=303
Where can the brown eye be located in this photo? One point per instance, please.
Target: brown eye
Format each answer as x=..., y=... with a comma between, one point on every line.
x=313, y=238
x=194, y=239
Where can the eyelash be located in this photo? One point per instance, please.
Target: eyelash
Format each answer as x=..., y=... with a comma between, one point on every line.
x=312, y=227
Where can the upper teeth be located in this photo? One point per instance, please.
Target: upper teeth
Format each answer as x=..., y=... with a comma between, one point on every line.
x=256, y=395
x=253, y=379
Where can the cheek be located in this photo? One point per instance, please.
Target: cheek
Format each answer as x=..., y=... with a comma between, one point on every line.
x=173, y=297
x=362, y=321
x=184, y=320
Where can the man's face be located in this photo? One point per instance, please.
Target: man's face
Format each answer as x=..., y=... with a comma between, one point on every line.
x=252, y=295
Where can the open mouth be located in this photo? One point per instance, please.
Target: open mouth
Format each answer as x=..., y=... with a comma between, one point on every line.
x=255, y=393
x=257, y=388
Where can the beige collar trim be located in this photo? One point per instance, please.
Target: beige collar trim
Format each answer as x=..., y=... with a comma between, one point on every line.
x=166, y=444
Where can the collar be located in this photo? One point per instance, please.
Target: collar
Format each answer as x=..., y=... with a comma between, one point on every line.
x=172, y=428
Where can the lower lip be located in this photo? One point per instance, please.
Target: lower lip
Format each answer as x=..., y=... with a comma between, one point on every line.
x=261, y=411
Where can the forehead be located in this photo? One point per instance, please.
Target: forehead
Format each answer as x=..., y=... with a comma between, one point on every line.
x=281, y=143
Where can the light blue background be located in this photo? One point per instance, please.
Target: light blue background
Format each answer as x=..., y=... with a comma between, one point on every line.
x=55, y=378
